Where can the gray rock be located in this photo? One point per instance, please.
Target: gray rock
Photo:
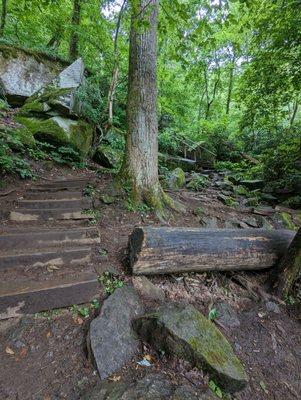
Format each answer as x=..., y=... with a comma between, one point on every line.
x=147, y=289
x=24, y=72
x=186, y=333
x=186, y=392
x=209, y=222
x=251, y=222
x=272, y=307
x=176, y=179
x=153, y=386
x=111, y=339
x=226, y=315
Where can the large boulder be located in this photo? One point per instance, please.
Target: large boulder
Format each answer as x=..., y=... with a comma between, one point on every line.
x=153, y=386
x=186, y=333
x=24, y=72
x=59, y=96
x=112, y=341
x=60, y=130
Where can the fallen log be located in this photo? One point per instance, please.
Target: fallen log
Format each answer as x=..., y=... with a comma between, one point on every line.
x=162, y=250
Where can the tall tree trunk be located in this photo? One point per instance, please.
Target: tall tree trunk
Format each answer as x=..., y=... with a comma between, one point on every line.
x=141, y=158
x=295, y=110
x=75, y=22
x=3, y=16
x=115, y=72
x=140, y=163
x=230, y=87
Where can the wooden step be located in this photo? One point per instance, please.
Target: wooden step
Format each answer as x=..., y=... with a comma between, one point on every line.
x=47, y=257
x=63, y=184
x=55, y=204
x=60, y=195
x=23, y=215
x=20, y=239
x=19, y=298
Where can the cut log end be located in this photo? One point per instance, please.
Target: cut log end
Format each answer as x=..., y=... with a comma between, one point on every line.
x=136, y=241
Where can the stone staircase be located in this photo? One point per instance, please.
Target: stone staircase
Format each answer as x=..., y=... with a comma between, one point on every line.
x=46, y=251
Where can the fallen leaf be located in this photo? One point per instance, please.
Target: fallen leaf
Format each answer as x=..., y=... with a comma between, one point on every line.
x=23, y=352
x=79, y=320
x=9, y=351
x=48, y=334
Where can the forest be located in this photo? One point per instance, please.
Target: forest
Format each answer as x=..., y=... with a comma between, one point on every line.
x=150, y=199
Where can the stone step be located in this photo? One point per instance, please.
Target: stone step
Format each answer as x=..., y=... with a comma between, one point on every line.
x=60, y=195
x=55, y=204
x=47, y=257
x=19, y=298
x=19, y=240
x=63, y=184
x=23, y=215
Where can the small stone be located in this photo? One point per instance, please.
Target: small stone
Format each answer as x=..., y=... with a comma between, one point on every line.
x=226, y=315
x=209, y=222
x=184, y=332
x=272, y=307
x=147, y=289
x=107, y=199
x=111, y=340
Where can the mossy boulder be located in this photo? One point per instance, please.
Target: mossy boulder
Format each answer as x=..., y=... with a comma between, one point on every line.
x=176, y=179
x=60, y=131
x=106, y=156
x=184, y=332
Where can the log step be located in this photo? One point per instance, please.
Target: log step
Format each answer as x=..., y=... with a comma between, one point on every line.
x=18, y=240
x=60, y=195
x=23, y=215
x=55, y=204
x=47, y=257
x=19, y=298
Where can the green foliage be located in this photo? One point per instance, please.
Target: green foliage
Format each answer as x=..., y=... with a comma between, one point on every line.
x=213, y=314
x=110, y=282
x=197, y=182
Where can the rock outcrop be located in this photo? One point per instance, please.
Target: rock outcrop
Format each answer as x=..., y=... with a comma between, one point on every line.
x=24, y=72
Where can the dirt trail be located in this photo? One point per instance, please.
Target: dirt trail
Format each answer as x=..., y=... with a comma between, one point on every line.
x=44, y=356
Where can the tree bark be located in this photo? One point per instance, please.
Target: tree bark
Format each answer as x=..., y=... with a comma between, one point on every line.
x=288, y=269
x=115, y=72
x=75, y=22
x=154, y=250
x=295, y=110
x=141, y=157
x=3, y=17
x=230, y=87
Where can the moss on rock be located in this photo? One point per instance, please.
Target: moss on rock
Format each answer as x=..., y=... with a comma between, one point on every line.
x=60, y=131
x=107, y=156
x=186, y=333
x=176, y=180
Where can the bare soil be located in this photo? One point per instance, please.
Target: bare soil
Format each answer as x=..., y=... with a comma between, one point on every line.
x=44, y=357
